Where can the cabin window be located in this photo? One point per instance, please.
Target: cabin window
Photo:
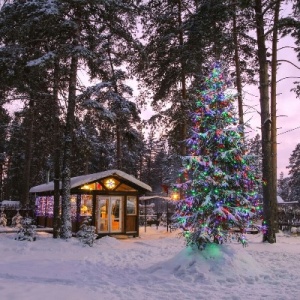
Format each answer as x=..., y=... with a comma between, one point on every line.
x=44, y=206
x=86, y=205
x=92, y=186
x=131, y=205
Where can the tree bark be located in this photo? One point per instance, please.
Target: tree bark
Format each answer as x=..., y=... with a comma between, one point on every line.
x=268, y=201
x=118, y=125
x=274, y=110
x=28, y=156
x=183, y=85
x=56, y=154
x=238, y=72
x=66, y=218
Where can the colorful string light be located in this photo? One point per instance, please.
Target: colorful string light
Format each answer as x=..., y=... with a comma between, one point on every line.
x=218, y=182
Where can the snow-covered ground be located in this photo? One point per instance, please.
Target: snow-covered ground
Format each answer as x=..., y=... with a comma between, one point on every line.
x=157, y=265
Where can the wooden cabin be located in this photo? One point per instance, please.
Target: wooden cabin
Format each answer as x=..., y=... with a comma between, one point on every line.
x=110, y=199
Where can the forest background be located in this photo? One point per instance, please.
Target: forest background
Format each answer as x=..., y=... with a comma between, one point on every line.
x=162, y=49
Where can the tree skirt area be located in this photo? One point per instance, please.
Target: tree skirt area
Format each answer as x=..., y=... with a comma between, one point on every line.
x=157, y=265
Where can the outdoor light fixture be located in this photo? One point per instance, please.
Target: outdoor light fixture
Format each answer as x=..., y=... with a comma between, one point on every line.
x=85, y=187
x=175, y=196
x=110, y=183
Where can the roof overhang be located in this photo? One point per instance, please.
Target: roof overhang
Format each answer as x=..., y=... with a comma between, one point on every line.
x=85, y=179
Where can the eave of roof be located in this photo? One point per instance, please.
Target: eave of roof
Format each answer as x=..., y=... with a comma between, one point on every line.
x=84, y=179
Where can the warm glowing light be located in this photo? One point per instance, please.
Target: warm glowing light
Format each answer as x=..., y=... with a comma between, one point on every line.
x=110, y=183
x=175, y=196
x=85, y=187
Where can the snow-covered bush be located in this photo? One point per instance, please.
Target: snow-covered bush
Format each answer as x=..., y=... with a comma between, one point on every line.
x=3, y=219
x=17, y=220
x=26, y=230
x=86, y=234
x=293, y=230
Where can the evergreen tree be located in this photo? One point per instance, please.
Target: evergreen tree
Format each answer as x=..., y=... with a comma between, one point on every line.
x=15, y=159
x=254, y=148
x=283, y=187
x=294, y=173
x=26, y=230
x=3, y=218
x=4, y=126
x=86, y=233
x=218, y=187
x=165, y=65
x=50, y=41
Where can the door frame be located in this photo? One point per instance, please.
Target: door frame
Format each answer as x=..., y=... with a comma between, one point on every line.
x=111, y=217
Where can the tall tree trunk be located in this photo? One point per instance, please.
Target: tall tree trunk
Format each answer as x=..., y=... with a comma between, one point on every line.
x=1, y=180
x=66, y=218
x=28, y=156
x=118, y=126
x=268, y=201
x=238, y=71
x=56, y=154
x=274, y=110
x=183, y=85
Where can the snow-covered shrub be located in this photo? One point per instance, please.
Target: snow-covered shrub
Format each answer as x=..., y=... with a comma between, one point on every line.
x=293, y=230
x=26, y=230
x=86, y=234
x=17, y=220
x=3, y=219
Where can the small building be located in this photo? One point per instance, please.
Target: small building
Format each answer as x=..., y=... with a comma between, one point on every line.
x=110, y=199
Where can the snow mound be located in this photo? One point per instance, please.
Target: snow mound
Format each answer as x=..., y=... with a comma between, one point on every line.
x=220, y=263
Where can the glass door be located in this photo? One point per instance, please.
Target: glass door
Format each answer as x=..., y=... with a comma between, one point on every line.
x=110, y=214
x=115, y=214
x=103, y=213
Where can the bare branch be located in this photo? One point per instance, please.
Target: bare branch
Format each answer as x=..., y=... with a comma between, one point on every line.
x=288, y=77
x=286, y=47
x=287, y=61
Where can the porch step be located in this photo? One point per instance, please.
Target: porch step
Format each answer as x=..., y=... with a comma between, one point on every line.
x=120, y=236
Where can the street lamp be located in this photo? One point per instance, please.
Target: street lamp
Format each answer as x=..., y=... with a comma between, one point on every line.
x=175, y=196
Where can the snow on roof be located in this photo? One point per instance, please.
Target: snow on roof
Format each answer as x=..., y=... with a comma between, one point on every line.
x=10, y=203
x=279, y=199
x=84, y=179
x=154, y=197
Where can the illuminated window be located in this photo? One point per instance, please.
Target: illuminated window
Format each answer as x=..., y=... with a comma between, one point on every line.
x=131, y=206
x=86, y=205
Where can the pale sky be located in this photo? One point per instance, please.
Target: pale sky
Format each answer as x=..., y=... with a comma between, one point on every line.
x=288, y=107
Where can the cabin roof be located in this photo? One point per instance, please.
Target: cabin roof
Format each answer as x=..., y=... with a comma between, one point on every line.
x=84, y=179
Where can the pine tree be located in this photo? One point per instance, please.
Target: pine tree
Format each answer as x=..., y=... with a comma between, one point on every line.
x=218, y=185
x=294, y=173
x=86, y=234
x=4, y=137
x=254, y=148
x=17, y=220
x=26, y=230
x=3, y=218
x=283, y=187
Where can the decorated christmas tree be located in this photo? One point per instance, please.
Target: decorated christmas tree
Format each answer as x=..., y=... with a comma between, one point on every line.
x=217, y=184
